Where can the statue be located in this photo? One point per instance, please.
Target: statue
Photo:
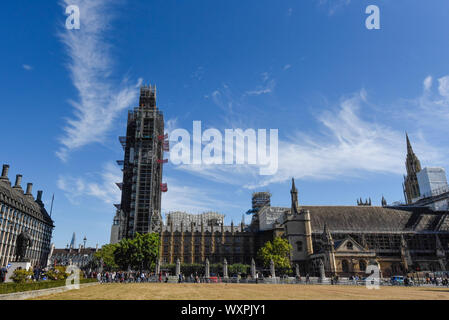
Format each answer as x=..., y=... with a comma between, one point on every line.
x=178, y=267
x=22, y=244
x=272, y=269
x=298, y=275
x=158, y=266
x=253, y=269
x=225, y=269
x=207, y=271
x=322, y=272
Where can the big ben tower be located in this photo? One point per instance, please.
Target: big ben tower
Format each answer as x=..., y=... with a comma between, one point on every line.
x=144, y=146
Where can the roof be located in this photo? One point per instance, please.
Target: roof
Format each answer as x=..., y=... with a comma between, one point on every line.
x=177, y=228
x=374, y=219
x=74, y=251
x=25, y=203
x=358, y=218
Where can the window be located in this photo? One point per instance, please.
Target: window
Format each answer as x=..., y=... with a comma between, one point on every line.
x=362, y=266
x=345, y=266
x=299, y=246
x=349, y=245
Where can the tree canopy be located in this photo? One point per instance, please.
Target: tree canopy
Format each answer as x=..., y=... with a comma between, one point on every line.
x=139, y=253
x=277, y=250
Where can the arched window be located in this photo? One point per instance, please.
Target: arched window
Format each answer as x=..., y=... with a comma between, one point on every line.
x=299, y=246
x=349, y=245
x=362, y=265
x=345, y=266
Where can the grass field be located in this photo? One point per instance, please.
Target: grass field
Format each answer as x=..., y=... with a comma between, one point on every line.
x=246, y=292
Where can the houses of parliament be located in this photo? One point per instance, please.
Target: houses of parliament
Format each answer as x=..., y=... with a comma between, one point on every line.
x=398, y=238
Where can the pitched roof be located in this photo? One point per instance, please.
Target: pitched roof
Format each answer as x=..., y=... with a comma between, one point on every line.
x=357, y=218
x=372, y=219
x=18, y=200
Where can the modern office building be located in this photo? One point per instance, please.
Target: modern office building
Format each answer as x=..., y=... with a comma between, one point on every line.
x=432, y=181
x=21, y=213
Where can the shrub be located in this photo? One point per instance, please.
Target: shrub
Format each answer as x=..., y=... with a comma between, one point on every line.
x=6, y=288
x=238, y=268
x=57, y=273
x=22, y=276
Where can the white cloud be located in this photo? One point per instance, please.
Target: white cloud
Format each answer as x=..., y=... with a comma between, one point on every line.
x=287, y=66
x=348, y=145
x=182, y=197
x=430, y=111
x=427, y=83
x=334, y=5
x=27, y=67
x=268, y=87
x=102, y=186
x=100, y=100
x=443, y=87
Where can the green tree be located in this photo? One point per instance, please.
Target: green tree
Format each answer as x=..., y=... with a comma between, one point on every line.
x=105, y=255
x=279, y=251
x=139, y=253
x=237, y=268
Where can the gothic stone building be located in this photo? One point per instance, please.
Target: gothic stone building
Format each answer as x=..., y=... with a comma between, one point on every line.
x=20, y=212
x=345, y=238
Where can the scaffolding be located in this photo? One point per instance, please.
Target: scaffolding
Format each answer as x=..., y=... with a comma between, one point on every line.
x=144, y=146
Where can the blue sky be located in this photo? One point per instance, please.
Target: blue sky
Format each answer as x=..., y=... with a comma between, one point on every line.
x=341, y=96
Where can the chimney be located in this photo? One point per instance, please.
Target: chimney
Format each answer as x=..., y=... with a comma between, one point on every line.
x=39, y=196
x=5, y=172
x=18, y=181
x=29, y=189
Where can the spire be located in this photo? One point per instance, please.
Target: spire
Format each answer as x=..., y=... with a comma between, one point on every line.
x=413, y=166
x=409, y=145
x=72, y=243
x=384, y=202
x=294, y=193
x=327, y=236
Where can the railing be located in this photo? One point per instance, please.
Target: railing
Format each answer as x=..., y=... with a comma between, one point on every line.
x=277, y=280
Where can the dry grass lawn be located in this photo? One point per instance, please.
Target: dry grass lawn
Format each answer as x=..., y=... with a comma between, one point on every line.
x=164, y=291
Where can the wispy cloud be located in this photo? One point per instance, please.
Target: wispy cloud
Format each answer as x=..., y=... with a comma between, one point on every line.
x=101, y=185
x=267, y=87
x=347, y=145
x=333, y=6
x=100, y=98
x=429, y=112
x=198, y=74
x=192, y=199
x=27, y=67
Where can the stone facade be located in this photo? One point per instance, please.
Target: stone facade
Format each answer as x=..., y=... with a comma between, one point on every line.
x=79, y=257
x=20, y=212
x=346, y=239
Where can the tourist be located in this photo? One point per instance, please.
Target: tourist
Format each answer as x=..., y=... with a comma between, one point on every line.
x=3, y=273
